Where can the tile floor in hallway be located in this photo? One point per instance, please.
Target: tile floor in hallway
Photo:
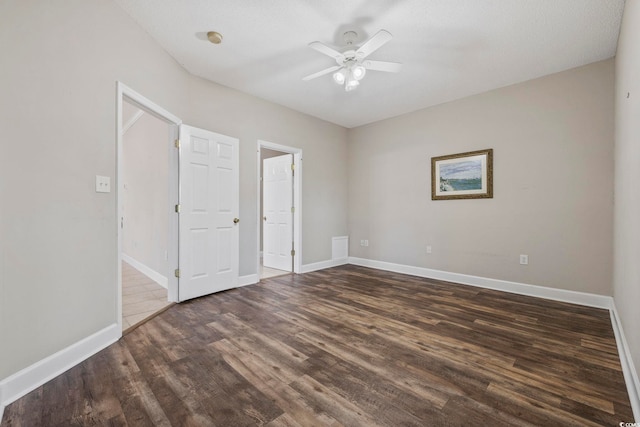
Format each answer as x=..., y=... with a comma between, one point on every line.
x=267, y=272
x=141, y=297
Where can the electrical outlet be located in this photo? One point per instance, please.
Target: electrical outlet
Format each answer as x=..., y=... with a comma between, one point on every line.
x=428, y=249
x=524, y=259
x=364, y=243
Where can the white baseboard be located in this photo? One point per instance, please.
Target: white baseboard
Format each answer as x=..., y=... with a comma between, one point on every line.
x=147, y=271
x=582, y=298
x=308, y=268
x=17, y=385
x=628, y=368
x=249, y=279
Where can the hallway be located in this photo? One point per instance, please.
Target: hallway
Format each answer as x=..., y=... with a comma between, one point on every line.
x=141, y=297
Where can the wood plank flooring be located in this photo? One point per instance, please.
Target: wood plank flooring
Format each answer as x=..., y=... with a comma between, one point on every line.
x=347, y=346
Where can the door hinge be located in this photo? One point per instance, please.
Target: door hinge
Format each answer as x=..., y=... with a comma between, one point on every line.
x=177, y=143
x=177, y=208
x=293, y=252
x=293, y=209
x=176, y=272
x=293, y=166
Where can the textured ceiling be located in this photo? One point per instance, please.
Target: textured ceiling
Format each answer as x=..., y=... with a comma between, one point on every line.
x=449, y=48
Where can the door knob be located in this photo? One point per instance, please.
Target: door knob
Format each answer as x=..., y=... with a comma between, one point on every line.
x=264, y=218
x=236, y=220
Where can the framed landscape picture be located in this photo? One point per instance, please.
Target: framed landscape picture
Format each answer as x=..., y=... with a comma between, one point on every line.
x=462, y=176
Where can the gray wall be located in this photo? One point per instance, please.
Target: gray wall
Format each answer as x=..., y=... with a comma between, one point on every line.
x=626, y=291
x=60, y=64
x=145, y=205
x=553, y=180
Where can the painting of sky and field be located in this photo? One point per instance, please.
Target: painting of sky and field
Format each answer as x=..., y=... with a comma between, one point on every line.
x=460, y=176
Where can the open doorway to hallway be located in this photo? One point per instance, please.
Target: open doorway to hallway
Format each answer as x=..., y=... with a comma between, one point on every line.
x=145, y=217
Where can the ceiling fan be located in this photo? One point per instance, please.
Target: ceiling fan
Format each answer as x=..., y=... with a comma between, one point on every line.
x=352, y=64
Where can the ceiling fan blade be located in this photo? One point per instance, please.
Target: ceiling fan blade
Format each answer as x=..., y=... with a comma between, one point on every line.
x=390, y=67
x=329, y=51
x=374, y=43
x=322, y=73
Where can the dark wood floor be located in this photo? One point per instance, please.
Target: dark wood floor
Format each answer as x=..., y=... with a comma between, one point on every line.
x=348, y=346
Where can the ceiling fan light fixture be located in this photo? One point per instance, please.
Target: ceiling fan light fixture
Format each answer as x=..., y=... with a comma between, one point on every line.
x=340, y=76
x=351, y=84
x=358, y=72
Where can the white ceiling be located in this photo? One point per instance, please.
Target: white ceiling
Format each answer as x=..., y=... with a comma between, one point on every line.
x=450, y=49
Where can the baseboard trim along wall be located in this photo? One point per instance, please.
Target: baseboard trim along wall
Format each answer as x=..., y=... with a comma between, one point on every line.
x=147, y=271
x=582, y=298
x=22, y=382
x=308, y=268
x=628, y=368
x=249, y=279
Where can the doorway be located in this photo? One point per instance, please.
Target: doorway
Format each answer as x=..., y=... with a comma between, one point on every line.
x=145, y=219
x=144, y=211
x=279, y=190
x=202, y=183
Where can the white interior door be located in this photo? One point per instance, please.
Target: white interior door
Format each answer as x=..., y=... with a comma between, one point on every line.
x=277, y=193
x=209, y=205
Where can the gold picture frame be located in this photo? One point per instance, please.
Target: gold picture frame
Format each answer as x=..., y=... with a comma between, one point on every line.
x=462, y=176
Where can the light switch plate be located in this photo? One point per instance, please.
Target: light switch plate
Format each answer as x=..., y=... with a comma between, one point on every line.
x=103, y=184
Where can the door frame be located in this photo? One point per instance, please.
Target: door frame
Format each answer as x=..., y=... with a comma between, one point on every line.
x=297, y=202
x=125, y=93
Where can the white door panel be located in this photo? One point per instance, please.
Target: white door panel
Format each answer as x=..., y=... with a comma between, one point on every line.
x=209, y=202
x=277, y=204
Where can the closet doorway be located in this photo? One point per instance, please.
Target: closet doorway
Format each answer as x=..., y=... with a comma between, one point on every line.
x=279, y=172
